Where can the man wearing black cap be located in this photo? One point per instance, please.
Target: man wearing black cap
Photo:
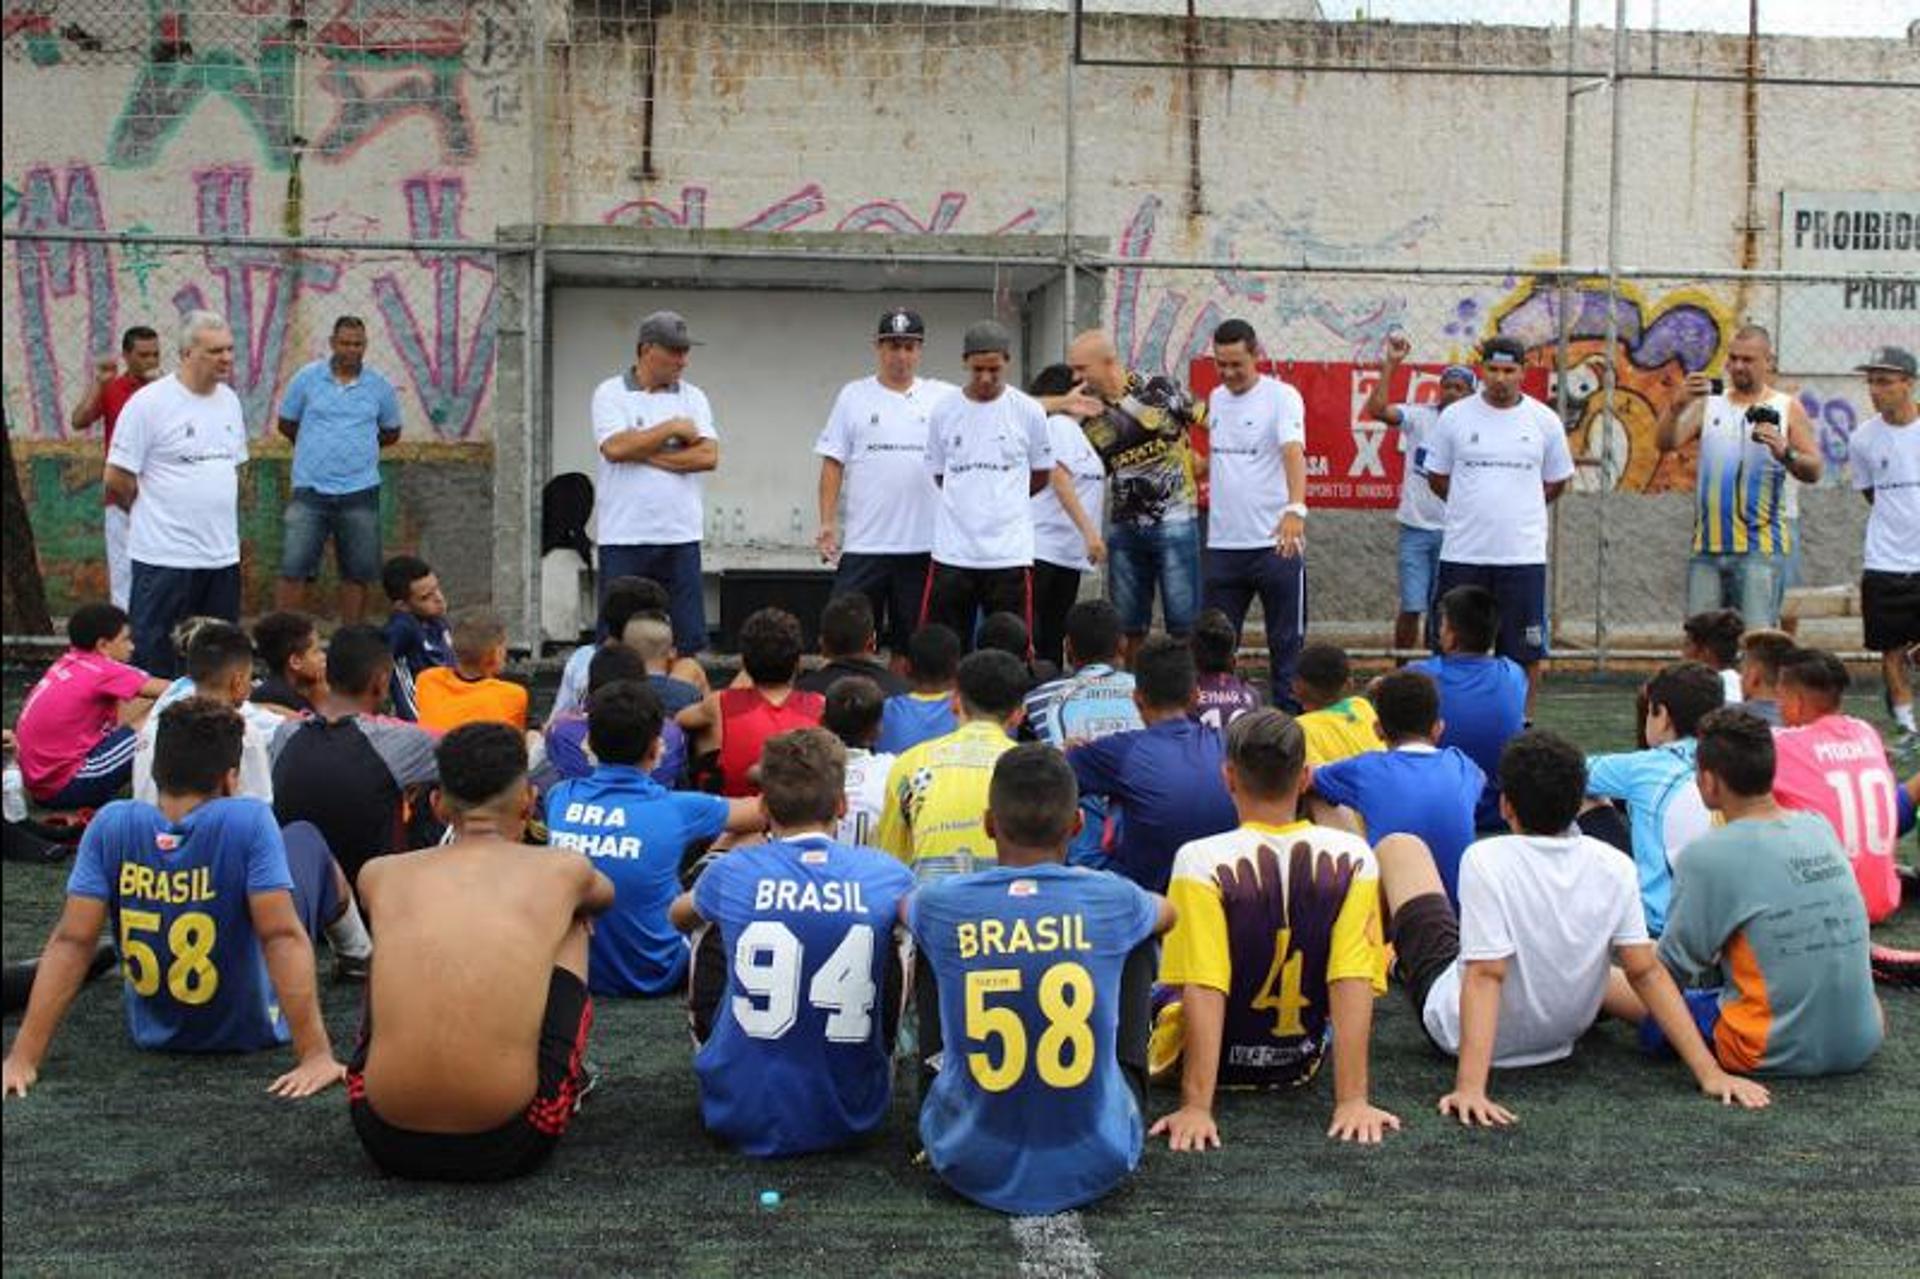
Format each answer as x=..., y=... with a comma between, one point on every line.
x=1497, y=459
x=1885, y=456
x=656, y=436
x=874, y=450
x=987, y=451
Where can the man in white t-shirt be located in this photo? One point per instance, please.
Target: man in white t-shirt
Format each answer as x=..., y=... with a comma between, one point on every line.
x=175, y=466
x=656, y=438
x=1067, y=541
x=1257, y=532
x=1885, y=457
x=873, y=451
x=1422, y=515
x=987, y=452
x=1522, y=971
x=1497, y=459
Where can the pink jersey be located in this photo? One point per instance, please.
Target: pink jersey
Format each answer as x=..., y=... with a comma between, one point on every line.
x=75, y=704
x=1837, y=767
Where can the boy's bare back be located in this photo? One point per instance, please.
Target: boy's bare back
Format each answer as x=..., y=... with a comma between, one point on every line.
x=468, y=937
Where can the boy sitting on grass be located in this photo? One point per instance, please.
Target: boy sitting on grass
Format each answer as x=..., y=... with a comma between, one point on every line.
x=625, y=598
x=1483, y=697
x=925, y=710
x=76, y=729
x=296, y=662
x=734, y=723
x=1761, y=653
x=416, y=630
x=471, y=690
x=1223, y=696
x=1522, y=971
x=1339, y=724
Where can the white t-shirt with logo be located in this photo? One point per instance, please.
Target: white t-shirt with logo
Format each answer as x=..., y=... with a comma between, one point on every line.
x=638, y=504
x=1245, y=435
x=866, y=796
x=880, y=436
x=1886, y=460
x=1553, y=907
x=186, y=450
x=1055, y=538
x=986, y=453
x=1420, y=506
x=1498, y=459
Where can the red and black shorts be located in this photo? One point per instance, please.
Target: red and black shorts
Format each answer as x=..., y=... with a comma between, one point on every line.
x=518, y=1146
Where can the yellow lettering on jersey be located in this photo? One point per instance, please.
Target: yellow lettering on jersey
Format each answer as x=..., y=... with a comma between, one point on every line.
x=993, y=937
x=174, y=887
x=967, y=937
x=1040, y=936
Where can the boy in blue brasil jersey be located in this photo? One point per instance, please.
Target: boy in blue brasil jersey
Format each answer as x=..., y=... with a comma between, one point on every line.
x=1030, y=1112
x=799, y=1058
x=215, y=931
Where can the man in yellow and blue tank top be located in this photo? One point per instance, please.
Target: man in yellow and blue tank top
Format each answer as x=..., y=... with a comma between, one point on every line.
x=1755, y=441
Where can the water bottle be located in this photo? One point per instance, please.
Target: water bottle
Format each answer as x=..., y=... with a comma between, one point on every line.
x=15, y=787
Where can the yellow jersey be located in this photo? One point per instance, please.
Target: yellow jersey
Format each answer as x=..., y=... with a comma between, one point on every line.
x=1341, y=731
x=936, y=794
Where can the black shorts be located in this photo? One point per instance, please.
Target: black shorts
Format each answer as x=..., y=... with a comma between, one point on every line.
x=1890, y=609
x=518, y=1146
x=1426, y=942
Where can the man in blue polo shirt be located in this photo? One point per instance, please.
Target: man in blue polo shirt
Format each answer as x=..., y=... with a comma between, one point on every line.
x=636, y=832
x=1164, y=780
x=339, y=414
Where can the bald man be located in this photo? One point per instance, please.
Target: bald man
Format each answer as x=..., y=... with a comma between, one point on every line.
x=1140, y=427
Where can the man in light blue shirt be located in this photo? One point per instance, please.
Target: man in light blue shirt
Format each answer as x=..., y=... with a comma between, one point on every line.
x=339, y=415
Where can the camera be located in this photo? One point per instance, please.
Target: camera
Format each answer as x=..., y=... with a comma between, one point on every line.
x=1762, y=415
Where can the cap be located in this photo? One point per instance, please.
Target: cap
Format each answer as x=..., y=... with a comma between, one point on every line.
x=666, y=328
x=984, y=336
x=1503, y=351
x=1890, y=359
x=1459, y=373
x=899, y=322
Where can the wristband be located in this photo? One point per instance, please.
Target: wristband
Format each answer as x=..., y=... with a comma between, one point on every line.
x=1295, y=508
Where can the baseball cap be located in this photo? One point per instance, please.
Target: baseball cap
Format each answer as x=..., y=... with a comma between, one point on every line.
x=1503, y=350
x=984, y=336
x=1890, y=359
x=668, y=329
x=898, y=322
x=1459, y=373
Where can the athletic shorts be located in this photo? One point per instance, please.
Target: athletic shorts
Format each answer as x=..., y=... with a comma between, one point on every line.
x=1890, y=609
x=518, y=1146
x=1520, y=589
x=1426, y=942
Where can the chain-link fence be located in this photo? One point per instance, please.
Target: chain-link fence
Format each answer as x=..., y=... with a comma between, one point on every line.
x=1622, y=198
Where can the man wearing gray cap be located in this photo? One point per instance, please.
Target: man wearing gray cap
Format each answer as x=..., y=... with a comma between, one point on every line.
x=874, y=450
x=656, y=437
x=1884, y=454
x=987, y=450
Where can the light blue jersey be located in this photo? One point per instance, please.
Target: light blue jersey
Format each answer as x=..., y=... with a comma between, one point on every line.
x=1664, y=811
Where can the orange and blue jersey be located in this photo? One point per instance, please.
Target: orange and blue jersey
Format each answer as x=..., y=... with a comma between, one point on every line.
x=1741, y=496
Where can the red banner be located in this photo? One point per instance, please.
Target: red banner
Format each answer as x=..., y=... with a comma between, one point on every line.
x=1351, y=461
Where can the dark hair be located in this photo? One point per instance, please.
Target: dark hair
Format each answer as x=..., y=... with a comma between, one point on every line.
x=478, y=763
x=1474, y=615
x=349, y=322
x=398, y=575
x=1164, y=674
x=1544, y=777
x=1033, y=797
x=1717, y=633
x=1267, y=748
x=624, y=719
x=611, y=662
x=1324, y=669
x=854, y=707
x=1511, y=347
x=1006, y=632
x=217, y=648
x=357, y=656
x=1408, y=704
x=803, y=773
x=196, y=744
x=627, y=596
x=933, y=654
x=1055, y=379
x=1737, y=747
x=137, y=333
x=1688, y=690
x=1236, y=333
x=1767, y=648
x=1093, y=631
x=770, y=646
x=1816, y=671
x=992, y=682
x=1215, y=644
x=277, y=637
x=846, y=625
x=92, y=623
x=477, y=631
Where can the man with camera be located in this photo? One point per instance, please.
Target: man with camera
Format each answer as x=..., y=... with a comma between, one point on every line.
x=1752, y=439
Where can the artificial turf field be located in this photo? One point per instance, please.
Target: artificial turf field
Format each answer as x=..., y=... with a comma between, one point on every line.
x=121, y=1161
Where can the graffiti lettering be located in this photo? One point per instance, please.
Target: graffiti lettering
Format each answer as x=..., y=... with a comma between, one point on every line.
x=177, y=77
x=450, y=385
x=48, y=270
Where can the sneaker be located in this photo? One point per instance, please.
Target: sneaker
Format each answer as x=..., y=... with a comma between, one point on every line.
x=351, y=969
x=589, y=1080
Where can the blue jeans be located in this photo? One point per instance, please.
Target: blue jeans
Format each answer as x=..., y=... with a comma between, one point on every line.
x=1235, y=577
x=162, y=597
x=676, y=567
x=1141, y=556
x=351, y=519
x=1748, y=582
